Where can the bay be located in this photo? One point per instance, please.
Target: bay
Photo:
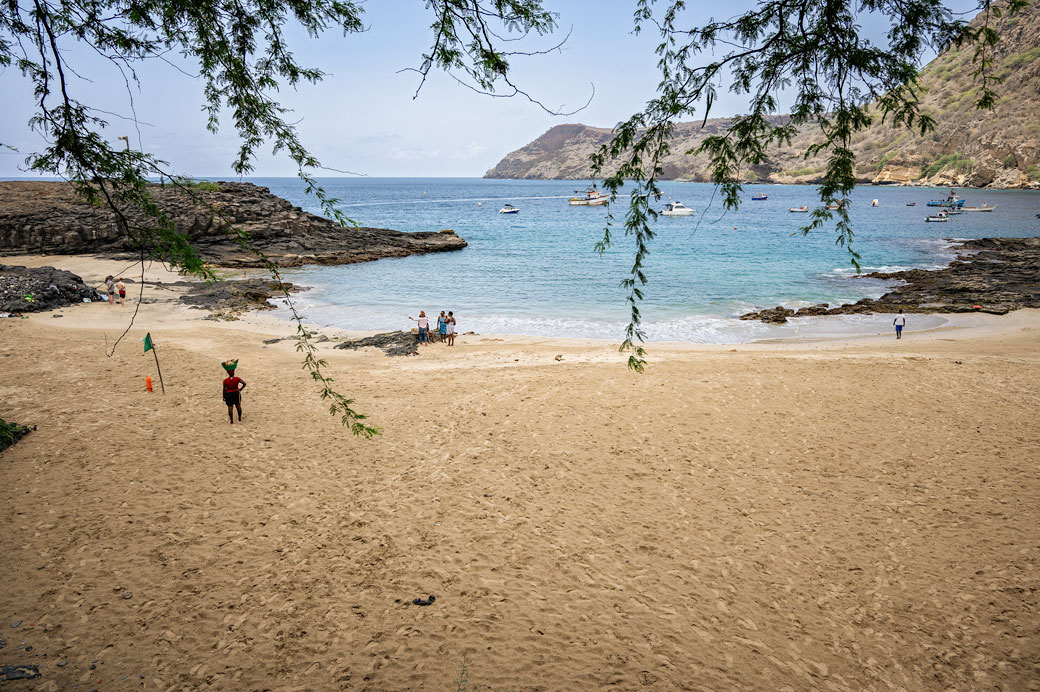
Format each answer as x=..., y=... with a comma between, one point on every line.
x=535, y=273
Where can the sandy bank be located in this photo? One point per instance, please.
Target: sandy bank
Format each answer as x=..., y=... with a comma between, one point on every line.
x=841, y=515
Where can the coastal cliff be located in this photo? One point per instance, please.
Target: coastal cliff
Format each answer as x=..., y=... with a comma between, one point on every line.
x=968, y=147
x=50, y=218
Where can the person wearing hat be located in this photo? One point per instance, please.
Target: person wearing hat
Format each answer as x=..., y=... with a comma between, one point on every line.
x=231, y=391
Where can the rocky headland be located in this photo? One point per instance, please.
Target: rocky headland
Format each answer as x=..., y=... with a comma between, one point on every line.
x=994, y=275
x=50, y=218
x=969, y=147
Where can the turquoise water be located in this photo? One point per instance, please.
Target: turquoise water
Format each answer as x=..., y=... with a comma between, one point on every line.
x=535, y=272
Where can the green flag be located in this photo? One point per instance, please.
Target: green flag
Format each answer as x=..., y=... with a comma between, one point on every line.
x=147, y=342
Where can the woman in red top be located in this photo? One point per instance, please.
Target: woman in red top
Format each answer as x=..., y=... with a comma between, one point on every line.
x=230, y=389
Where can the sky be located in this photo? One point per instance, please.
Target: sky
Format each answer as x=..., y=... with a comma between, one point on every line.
x=365, y=116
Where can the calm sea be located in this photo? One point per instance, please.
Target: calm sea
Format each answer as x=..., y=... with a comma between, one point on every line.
x=536, y=273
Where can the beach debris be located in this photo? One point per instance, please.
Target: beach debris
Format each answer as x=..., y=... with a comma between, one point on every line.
x=127, y=596
x=559, y=356
x=392, y=343
x=19, y=672
x=424, y=601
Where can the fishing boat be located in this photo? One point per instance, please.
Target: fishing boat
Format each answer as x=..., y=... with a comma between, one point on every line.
x=759, y=197
x=508, y=209
x=952, y=200
x=802, y=209
x=594, y=197
x=941, y=217
x=984, y=207
x=911, y=204
x=676, y=209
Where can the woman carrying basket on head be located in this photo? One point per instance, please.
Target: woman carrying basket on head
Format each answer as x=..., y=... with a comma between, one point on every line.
x=231, y=390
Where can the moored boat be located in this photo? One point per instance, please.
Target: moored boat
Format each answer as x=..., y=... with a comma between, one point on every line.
x=508, y=209
x=911, y=204
x=676, y=209
x=802, y=209
x=984, y=207
x=759, y=197
x=941, y=217
x=952, y=200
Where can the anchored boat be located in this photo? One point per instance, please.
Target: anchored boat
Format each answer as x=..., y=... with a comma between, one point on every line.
x=676, y=209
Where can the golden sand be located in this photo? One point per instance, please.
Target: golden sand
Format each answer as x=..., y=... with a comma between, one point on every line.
x=850, y=515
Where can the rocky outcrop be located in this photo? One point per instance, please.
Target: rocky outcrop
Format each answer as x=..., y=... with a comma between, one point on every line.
x=228, y=299
x=49, y=218
x=993, y=275
x=968, y=147
x=392, y=343
x=25, y=289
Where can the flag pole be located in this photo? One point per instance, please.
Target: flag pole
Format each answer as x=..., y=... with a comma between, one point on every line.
x=150, y=346
x=156, y=354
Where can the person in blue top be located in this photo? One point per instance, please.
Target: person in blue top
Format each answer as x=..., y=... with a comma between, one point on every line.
x=442, y=326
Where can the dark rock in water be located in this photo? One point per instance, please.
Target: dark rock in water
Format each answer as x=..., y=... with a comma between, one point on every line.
x=49, y=217
x=233, y=297
x=997, y=274
x=19, y=672
x=392, y=343
x=36, y=289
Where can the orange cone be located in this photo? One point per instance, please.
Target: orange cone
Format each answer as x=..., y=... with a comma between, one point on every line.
x=148, y=382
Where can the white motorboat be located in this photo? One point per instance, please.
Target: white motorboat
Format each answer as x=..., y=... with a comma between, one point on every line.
x=801, y=210
x=984, y=207
x=509, y=209
x=941, y=217
x=676, y=209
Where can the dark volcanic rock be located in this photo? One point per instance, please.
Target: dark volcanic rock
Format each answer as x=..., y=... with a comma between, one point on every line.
x=19, y=672
x=392, y=343
x=44, y=217
x=25, y=289
x=997, y=274
x=236, y=296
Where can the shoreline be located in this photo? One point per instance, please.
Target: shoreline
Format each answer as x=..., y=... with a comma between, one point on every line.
x=164, y=288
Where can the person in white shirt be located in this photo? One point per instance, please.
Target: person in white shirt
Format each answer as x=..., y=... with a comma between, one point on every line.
x=424, y=327
x=899, y=322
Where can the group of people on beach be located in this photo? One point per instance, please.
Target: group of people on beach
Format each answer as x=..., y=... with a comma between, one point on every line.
x=445, y=327
x=111, y=285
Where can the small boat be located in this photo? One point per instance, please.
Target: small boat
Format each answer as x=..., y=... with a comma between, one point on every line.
x=873, y=202
x=911, y=204
x=952, y=200
x=594, y=197
x=676, y=209
x=952, y=211
x=802, y=209
x=509, y=209
x=759, y=197
x=984, y=207
x=937, y=218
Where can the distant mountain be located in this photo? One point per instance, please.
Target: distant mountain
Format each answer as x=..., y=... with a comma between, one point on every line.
x=969, y=147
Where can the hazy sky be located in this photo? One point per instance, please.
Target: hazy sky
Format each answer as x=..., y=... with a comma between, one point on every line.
x=363, y=117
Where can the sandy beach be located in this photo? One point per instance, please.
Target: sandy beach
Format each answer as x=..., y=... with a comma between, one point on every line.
x=853, y=514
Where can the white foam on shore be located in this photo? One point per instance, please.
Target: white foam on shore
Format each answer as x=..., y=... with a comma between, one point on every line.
x=697, y=329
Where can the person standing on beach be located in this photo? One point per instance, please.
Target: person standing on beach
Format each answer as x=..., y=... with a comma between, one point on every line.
x=442, y=326
x=110, y=286
x=450, y=328
x=424, y=327
x=121, y=287
x=231, y=391
x=899, y=322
